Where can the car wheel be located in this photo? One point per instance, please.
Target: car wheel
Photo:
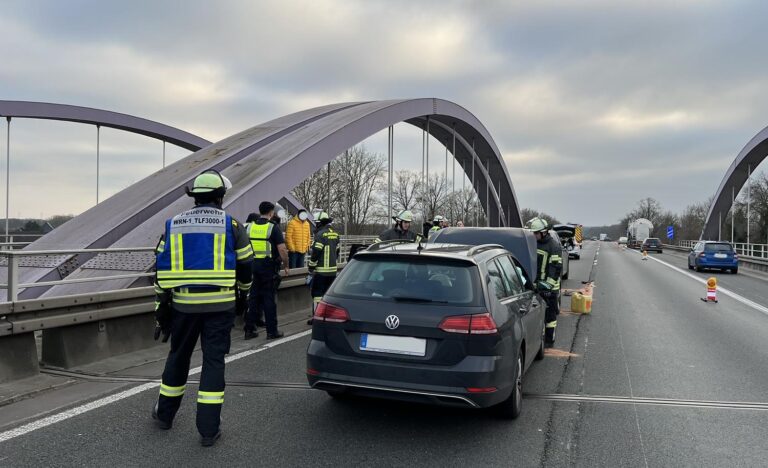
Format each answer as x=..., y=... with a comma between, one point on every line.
x=735, y=271
x=540, y=353
x=513, y=406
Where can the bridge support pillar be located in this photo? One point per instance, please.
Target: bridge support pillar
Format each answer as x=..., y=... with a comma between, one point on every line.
x=82, y=344
x=18, y=358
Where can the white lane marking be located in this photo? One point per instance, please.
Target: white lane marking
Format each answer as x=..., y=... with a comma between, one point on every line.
x=720, y=289
x=53, y=419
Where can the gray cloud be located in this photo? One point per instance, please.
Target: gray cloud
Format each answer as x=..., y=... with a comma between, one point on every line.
x=595, y=104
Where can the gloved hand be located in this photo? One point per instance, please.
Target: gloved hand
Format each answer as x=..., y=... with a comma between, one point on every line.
x=241, y=302
x=543, y=286
x=163, y=315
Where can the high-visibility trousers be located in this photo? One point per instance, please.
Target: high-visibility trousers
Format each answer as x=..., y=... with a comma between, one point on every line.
x=213, y=329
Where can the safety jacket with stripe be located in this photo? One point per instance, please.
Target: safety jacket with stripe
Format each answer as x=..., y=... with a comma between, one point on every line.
x=324, y=252
x=549, y=261
x=203, y=255
x=433, y=230
x=259, y=235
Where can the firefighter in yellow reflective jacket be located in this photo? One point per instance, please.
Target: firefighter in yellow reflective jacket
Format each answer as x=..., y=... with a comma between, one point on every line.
x=203, y=275
x=437, y=223
x=322, y=264
x=550, y=265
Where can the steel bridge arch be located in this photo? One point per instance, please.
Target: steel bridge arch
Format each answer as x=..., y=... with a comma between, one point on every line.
x=263, y=162
x=103, y=118
x=753, y=153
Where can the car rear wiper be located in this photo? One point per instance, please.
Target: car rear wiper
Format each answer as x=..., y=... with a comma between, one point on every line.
x=416, y=299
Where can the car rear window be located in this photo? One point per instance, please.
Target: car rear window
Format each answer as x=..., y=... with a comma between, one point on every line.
x=718, y=248
x=651, y=241
x=425, y=280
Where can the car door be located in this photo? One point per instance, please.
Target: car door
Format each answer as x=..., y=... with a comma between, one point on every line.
x=521, y=303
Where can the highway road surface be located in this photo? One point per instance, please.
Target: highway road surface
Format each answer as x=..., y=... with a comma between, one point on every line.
x=654, y=377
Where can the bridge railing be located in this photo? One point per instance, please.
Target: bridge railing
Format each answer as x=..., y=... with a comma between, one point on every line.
x=13, y=259
x=757, y=251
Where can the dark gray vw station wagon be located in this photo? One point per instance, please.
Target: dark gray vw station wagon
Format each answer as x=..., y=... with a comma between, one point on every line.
x=446, y=324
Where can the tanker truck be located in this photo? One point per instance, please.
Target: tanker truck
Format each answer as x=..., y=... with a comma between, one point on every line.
x=638, y=231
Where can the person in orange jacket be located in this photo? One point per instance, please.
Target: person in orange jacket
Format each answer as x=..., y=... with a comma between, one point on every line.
x=297, y=239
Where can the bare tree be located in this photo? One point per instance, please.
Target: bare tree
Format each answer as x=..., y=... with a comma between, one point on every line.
x=432, y=196
x=358, y=187
x=405, y=189
x=461, y=205
x=527, y=214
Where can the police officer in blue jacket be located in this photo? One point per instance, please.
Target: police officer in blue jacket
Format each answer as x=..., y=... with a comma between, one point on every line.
x=203, y=275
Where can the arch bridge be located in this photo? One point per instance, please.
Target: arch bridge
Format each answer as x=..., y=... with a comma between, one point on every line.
x=262, y=162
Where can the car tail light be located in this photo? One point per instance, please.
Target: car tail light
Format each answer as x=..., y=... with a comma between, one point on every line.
x=478, y=324
x=481, y=389
x=330, y=313
x=311, y=371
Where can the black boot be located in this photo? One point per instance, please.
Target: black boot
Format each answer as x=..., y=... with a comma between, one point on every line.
x=549, y=337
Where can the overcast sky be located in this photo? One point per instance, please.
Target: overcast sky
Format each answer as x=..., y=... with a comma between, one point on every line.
x=594, y=104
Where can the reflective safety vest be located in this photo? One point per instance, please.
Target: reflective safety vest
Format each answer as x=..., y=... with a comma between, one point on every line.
x=549, y=261
x=197, y=251
x=259, y=235
x=323, y=260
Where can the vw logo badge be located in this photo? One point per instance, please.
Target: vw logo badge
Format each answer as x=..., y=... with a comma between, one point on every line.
x=392, y=322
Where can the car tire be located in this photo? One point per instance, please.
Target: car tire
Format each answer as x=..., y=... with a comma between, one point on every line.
x=540, y=352
x=513, y=406
x=735, y=271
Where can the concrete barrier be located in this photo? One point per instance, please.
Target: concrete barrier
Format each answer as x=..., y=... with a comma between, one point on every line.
x=18, y=357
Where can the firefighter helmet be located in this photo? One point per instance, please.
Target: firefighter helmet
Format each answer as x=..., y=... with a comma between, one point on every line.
x=210, y=183
x=404, y=215
x=537, y=225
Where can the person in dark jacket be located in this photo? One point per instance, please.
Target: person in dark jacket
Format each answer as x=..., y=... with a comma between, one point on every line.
x=203, y=274
x=401, y=230
x=550, y=266
x=323, y=263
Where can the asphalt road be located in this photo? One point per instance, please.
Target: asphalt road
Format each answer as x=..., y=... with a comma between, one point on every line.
x=649, y=336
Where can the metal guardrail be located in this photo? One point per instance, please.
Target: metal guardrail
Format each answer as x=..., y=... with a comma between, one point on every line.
x=754, y=263
x=13, y=262
x=13, y=257
x=30, y=315
x=754, y=251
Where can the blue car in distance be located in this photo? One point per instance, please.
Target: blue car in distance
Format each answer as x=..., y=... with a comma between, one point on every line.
x=713, y=254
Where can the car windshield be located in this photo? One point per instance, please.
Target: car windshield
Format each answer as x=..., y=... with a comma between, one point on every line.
x=406, y=280
x=718, y=248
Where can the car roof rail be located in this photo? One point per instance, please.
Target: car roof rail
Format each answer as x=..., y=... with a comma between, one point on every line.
x=386, y=243
x=481, y=248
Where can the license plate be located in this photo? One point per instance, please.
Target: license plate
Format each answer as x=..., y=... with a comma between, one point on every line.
x=721, y=256
x=393, y=344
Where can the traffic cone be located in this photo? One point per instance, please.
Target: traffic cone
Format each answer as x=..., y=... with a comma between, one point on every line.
x=711, y=290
